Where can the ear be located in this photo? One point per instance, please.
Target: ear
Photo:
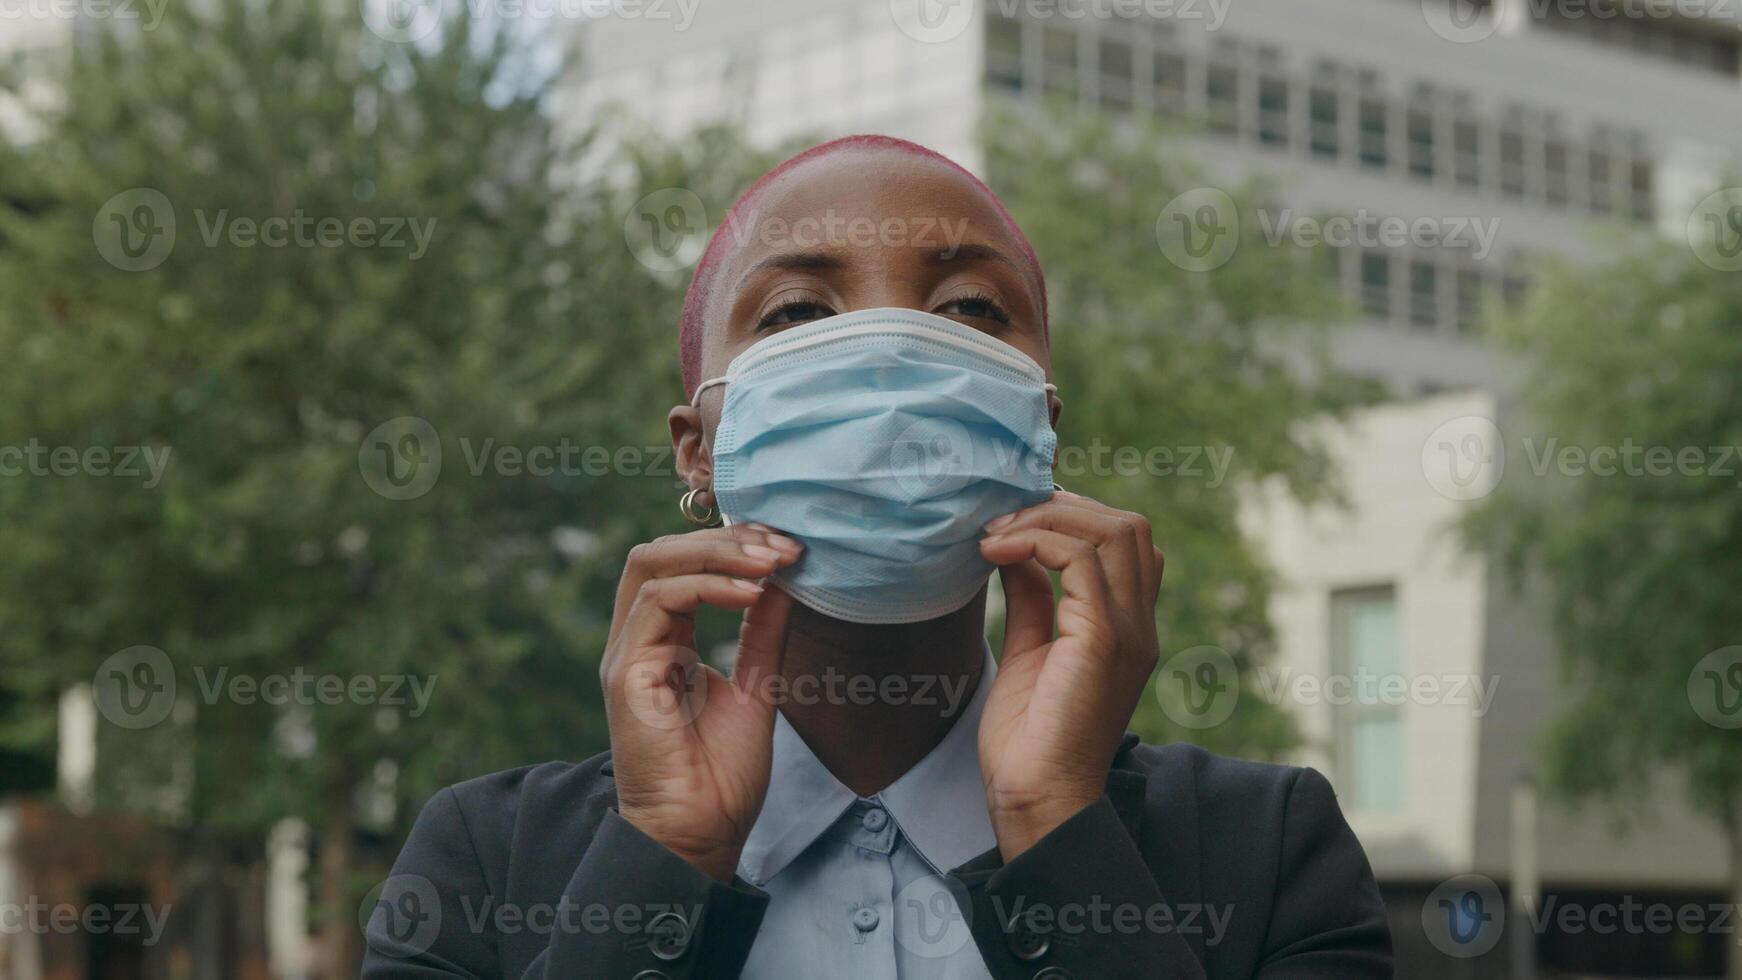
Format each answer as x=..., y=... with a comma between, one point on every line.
x=689, y=444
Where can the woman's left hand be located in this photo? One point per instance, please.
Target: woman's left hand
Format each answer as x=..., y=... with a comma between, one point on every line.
x=1058, y=707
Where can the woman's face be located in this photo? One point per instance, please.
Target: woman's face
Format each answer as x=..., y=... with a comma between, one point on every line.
x=855, y=230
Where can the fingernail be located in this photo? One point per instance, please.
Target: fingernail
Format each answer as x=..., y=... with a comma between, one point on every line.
x=747, y=585
x=787, y=545
x=999, y=522
x=758, y=551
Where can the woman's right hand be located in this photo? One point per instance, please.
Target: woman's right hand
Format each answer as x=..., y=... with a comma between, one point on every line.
x=691, y=749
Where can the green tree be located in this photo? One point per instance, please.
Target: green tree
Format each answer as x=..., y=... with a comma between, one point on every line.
x=262, y=358
x=1643, y=563
x=1178, y=347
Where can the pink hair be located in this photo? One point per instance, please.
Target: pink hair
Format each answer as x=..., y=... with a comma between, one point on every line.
x=695, y=301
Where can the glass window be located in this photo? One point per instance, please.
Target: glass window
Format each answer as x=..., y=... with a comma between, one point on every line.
x=1223, y=97
x=1421, y=142
x=1376, y=284
x=1324, y=109
x=1273, y=110
x=1469, y=299
x=1467, y=153
x=1060, y=50
x=1554, y=165
x=1373, y=126
x=1424, y=296
x=1600, y=180
x=1169, y=74
x=1512, y=161
x=1004, y=52
x=1367, y=647
x=1115, y=71
x=1641, y=185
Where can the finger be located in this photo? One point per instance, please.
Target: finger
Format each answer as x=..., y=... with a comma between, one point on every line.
x=1108, y=530
x=740, y=552
x=1149, y=556
x=1077, y=561
x=762, y=640
x=663, y=606
x=1028, y=606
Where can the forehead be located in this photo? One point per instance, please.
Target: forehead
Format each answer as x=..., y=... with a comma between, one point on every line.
x=871, y=204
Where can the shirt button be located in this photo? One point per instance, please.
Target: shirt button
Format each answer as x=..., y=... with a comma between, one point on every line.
x=866, y=919
x=875, y=820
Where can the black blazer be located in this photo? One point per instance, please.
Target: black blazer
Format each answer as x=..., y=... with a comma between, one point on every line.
x=1191, y=866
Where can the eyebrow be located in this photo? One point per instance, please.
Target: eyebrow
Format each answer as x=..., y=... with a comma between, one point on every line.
x=796, y=262
x=970, y=252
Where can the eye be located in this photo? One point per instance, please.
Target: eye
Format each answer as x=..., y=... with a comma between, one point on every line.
x=793, y=311
x=976, y=306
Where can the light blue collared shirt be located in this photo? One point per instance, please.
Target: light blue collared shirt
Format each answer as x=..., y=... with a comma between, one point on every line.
x=856, y=886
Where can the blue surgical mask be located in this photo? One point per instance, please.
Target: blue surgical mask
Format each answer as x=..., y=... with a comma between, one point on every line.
x=884, y=440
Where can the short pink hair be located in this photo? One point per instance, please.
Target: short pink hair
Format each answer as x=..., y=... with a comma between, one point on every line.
x=695, y=303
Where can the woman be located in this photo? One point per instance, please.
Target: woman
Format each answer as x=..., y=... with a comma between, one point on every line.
x=870, y=794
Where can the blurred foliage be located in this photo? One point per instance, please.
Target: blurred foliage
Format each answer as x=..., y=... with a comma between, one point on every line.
x=1643, y=569
x=262, y=371
x=1147, y=354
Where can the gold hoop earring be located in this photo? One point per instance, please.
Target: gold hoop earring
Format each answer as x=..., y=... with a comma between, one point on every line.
x=687, y=507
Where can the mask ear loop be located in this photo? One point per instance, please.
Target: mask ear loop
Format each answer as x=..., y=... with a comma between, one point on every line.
x=696, y=399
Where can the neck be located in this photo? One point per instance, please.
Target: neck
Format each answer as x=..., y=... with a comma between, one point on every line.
x=872, y=700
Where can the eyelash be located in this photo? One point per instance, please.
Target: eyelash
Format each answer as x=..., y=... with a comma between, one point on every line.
x=996, y=313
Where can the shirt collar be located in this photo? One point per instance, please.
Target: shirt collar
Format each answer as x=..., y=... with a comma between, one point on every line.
x=939, y=804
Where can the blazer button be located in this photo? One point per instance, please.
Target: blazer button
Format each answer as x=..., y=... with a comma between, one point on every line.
x=1025, y=944
x=1052, y=973
x=668, y=936
x=650, y=975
